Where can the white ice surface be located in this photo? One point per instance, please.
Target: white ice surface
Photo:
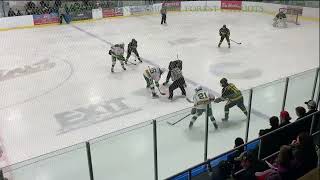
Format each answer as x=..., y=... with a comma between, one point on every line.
x=81, y=76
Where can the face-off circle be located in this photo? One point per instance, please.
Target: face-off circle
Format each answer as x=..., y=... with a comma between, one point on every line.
x=22, y=82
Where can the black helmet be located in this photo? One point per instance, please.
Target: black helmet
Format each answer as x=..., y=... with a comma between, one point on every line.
x=224, y=81
x=224, y=26
x=133, y=39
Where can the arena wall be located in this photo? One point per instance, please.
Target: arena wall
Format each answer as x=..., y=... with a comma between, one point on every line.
x=16, y=22
x=311, y=14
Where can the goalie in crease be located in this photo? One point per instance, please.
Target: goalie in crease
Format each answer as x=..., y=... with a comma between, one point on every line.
x=201, y=99
x=280, y=19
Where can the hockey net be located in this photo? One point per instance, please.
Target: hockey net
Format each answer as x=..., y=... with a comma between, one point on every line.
x=292, y=14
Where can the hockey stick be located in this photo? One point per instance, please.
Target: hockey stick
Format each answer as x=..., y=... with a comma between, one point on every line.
x=235, y=41
x=131, y=63
x=189, y=100
x=162, y=93
x=178, y=120
x=137, y=58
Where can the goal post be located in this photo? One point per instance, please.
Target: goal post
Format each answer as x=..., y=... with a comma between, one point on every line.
x=292, y=14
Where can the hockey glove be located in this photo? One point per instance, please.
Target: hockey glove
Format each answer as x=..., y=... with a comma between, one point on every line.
x=218, y=100
x=193, y=111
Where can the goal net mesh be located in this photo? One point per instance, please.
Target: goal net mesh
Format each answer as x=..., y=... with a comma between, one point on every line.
x=292, y=14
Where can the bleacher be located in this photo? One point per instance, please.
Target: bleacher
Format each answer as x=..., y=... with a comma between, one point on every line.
x=205, y=170
x=210, y=166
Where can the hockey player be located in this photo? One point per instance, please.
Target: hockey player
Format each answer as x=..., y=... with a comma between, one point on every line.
x=280, y=18
x=224, y=32
x=152, y=76
x=163, y=12
x=178, y=82
x=117, y=52
x=233, y=96
x=132, y=47
x=201, y=99
x=172, y=65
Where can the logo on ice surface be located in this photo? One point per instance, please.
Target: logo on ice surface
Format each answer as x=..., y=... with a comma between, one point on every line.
x=92, y=114
x=43, y=65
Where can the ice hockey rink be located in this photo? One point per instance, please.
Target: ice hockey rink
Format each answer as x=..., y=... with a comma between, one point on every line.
x=57, y=89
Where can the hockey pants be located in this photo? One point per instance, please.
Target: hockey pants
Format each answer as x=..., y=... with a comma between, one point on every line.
x=222, y=38
x=164, y=19
x=230, y=104
x=150, y=83
x=198, y=112
x=177, y=84
x=114, y=60
x=134, y=50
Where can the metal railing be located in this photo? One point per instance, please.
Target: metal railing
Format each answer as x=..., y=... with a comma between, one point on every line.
x=207, y=162
x=19, y=5
x=156, y=127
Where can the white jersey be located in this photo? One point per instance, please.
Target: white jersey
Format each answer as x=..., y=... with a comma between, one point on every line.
x=117, y=50
x=202, y=98
x=153, y=73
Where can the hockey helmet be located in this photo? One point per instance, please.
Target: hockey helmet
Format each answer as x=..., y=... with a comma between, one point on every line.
x=133, y=40
x=162, y=70
x=121, y=44
x=224, y=81
x=198, y=88
x=224, y=26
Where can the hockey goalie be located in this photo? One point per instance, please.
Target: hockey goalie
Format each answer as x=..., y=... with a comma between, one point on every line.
x=280, y=20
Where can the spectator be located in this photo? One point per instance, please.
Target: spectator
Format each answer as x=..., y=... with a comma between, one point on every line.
x=31, y=4
x=11, y=13
x=43, y=4
x=282, y=169
x=304, y=154
x=274, y=123
x=57, y=3
x=238, y=142
x=284, y=118
x=251, y=165
x=28, y=11
x=63, y=15
x=19, y=13
x=270, y=143
x=222, y=171
x=300, y=112
x=236, y=164
x=286, y=134
x=300, y=125
x=312, y=106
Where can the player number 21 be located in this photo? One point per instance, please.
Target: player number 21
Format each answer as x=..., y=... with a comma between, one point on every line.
x=202, y=96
